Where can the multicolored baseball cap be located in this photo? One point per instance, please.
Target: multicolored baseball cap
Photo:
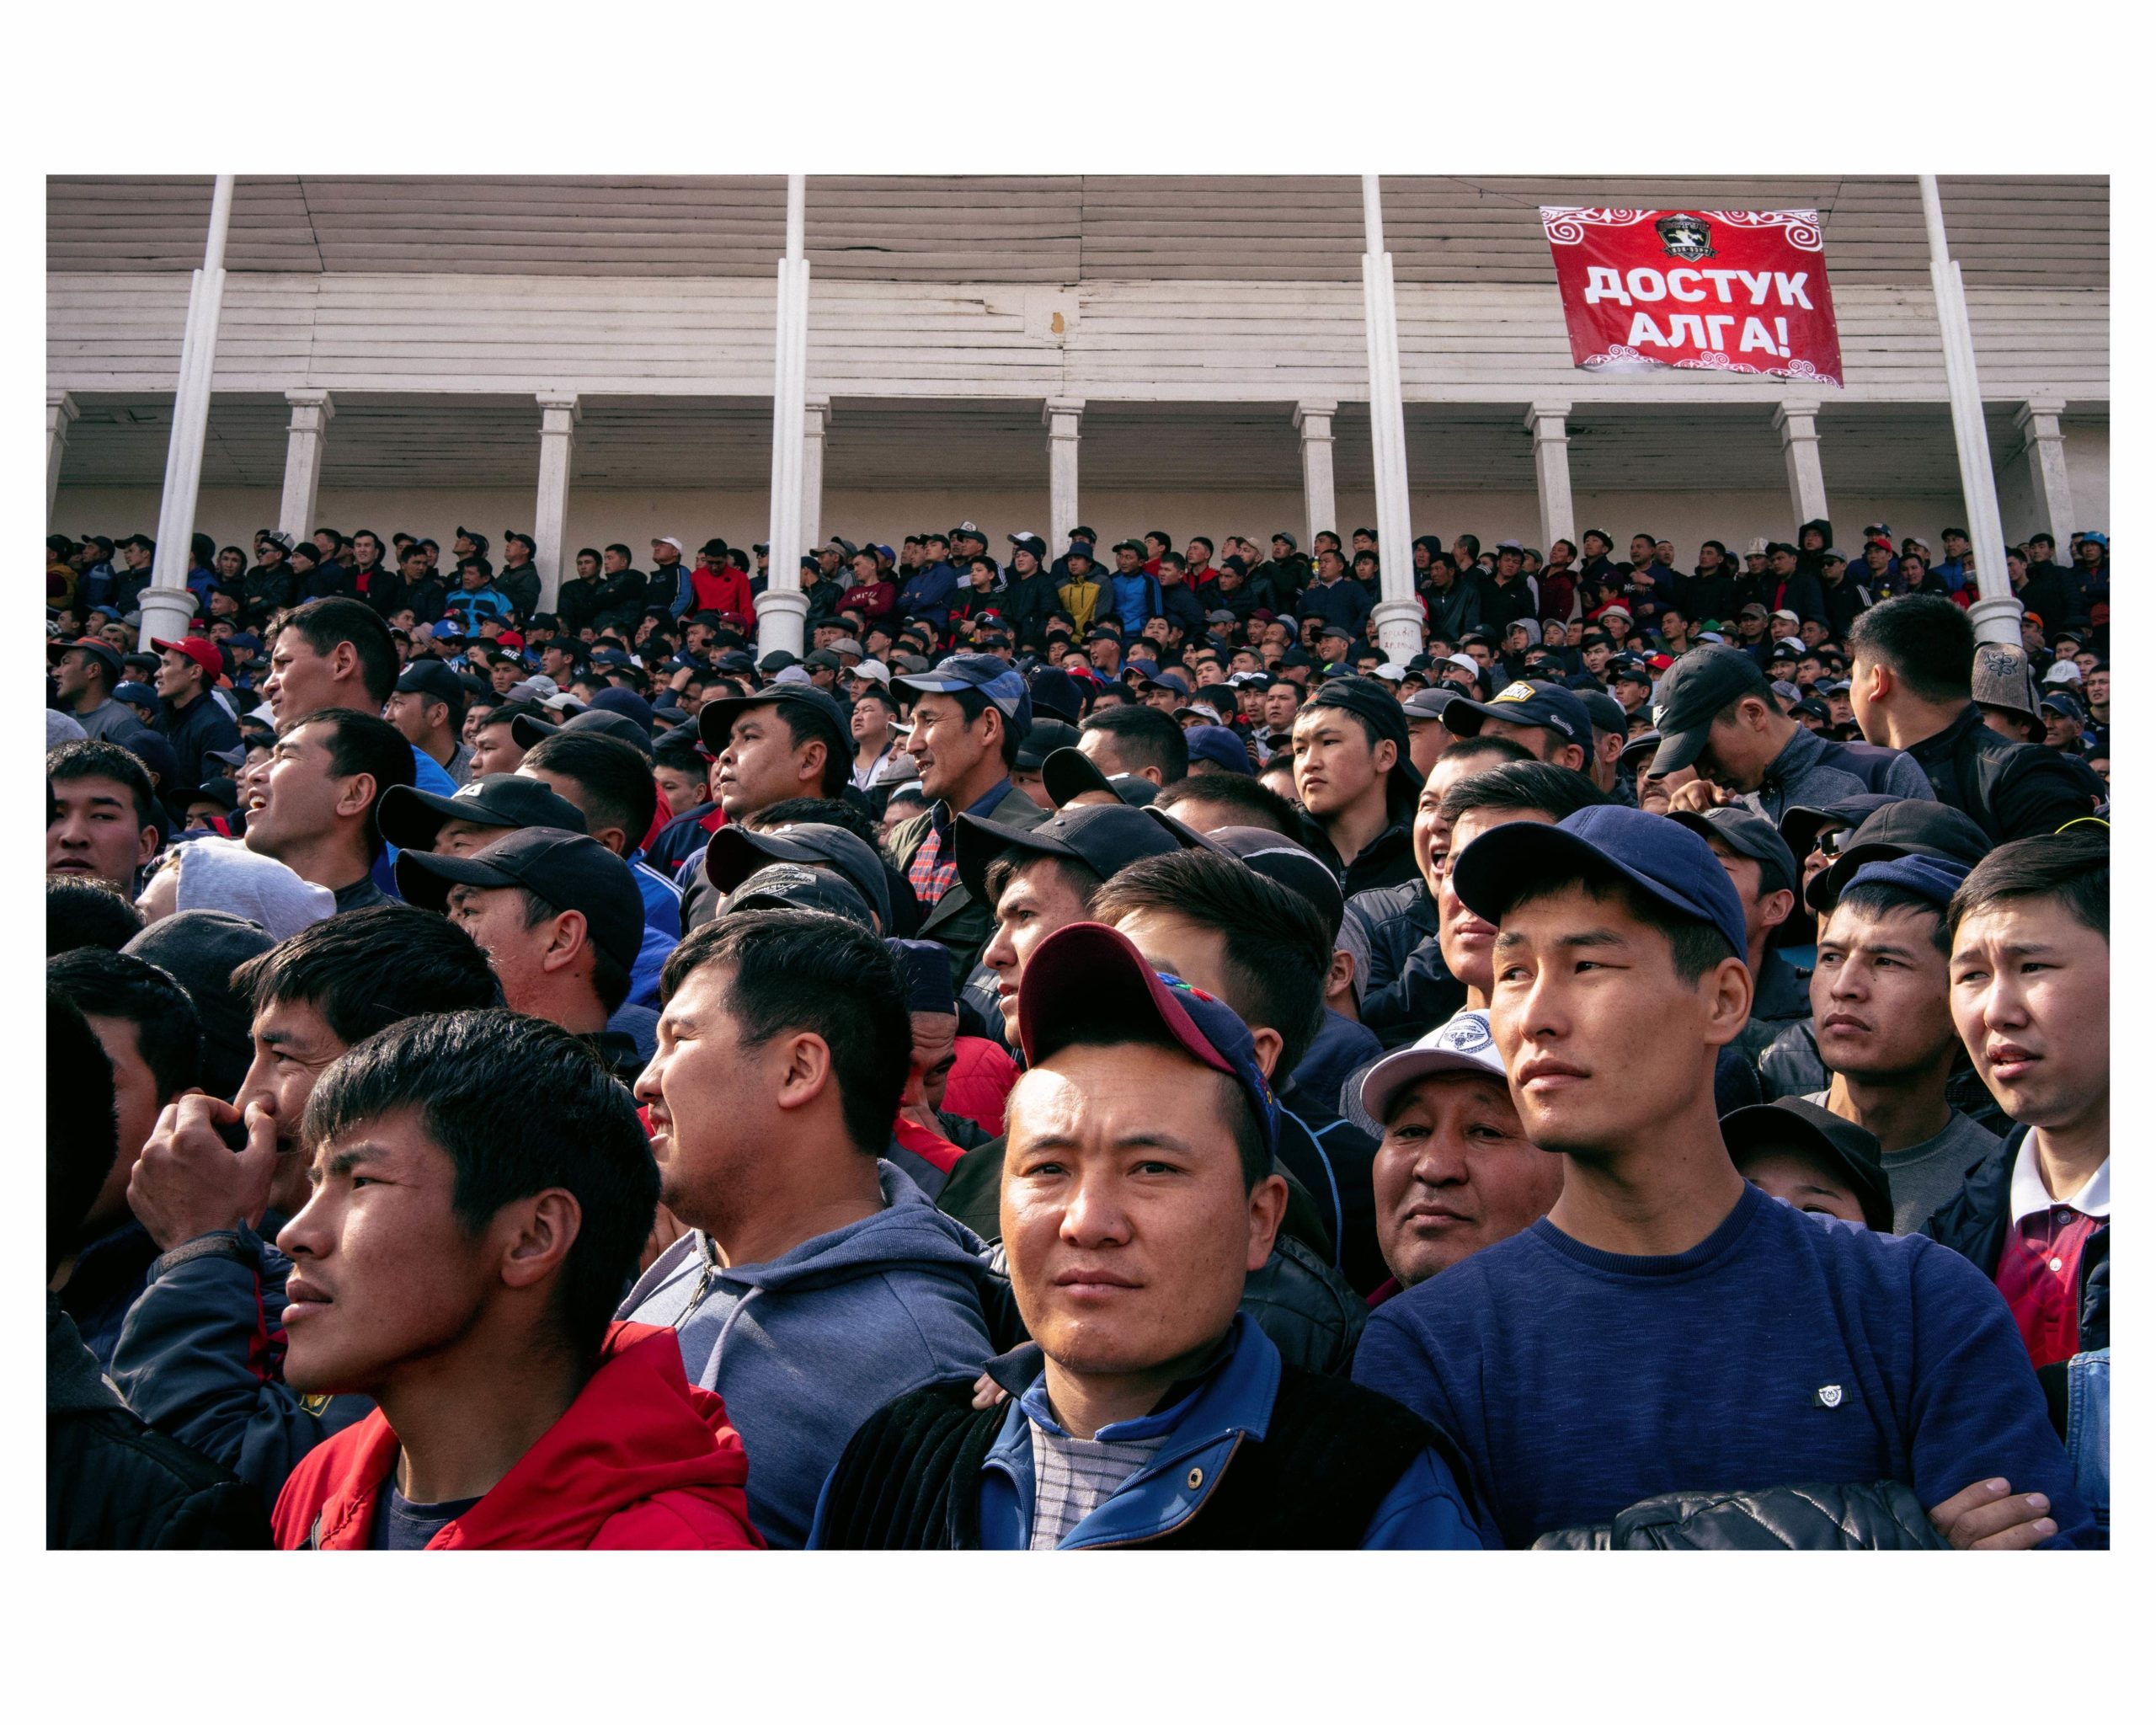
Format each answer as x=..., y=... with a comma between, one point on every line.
x=1087, y=977
x=996, y=682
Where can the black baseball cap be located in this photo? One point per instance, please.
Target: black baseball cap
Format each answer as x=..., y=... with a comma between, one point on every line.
x=1792, y=1124
x=1371, y=700
x=715, y=719
x=1907, y=828
x=1528, y=702
x=528, y=731
x=795, y=886
x=735, y=853
x=1105, y=837
x=1801, y=826
x=569, y=870
x=1605, y=713
x=432, y=678
x=1694, y=690
x=1427, y=704
x=1748, y=835
x=412, y=819
x=1044, y=739
x=1285, y=863
x=1663, y=857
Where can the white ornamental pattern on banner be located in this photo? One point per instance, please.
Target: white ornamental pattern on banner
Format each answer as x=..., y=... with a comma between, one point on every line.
x=1567, y=226
x=1802, y=226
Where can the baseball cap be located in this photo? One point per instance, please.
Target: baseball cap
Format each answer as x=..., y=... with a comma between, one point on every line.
x=98, y=650
x=735, y=853
x=1801, y=826
x=528, y=730
x=1932, y=878
x=412, y=819
x=204, y=651
x=715, y=719
x=569, y=870
x=1071, y=772
x=1370, y=701
x=1043, y=740
x=1748, y=835
x=1105, y=837
x=1086, y=978
x=431, y=677
x=996, y=682
x=1285, y=863
x=874, y=669
x=1694, y=690
x=1605, y=712
x=1528, y=703
x=1462, y=1044
x=136, y=694
x=1663, y=857
x=1218, y=744
x=1792, y=1124
x=1425, y=705
x=795, y=886
x=1901, y=829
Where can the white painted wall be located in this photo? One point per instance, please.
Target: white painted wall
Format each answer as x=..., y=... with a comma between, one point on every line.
x=595, y=517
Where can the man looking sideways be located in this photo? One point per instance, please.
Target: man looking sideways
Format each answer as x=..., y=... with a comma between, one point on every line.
x=1137, y=1196
x=1526, y=790
x=191, y=1354
x=1354, y=777
x=459, y=1261
x=100, y=814
x=1455, y=1172
x=1620, y=975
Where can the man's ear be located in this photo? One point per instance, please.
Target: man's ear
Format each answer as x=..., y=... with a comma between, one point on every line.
x=1384, y=755
x=566, y=937
x=1266, y=1044
x=357, y=795
x=1776, y=907
x=536, y=1235
x=1728, y=989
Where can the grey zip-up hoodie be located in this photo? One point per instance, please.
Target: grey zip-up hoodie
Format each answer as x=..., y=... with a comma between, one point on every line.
x=805, y=1348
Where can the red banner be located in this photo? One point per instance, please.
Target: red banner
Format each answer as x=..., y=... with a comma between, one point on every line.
x=1735, y=290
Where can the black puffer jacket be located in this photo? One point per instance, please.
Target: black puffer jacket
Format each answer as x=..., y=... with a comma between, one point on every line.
x=112, y=1484
x=1410, y=992
x=1885, y=1517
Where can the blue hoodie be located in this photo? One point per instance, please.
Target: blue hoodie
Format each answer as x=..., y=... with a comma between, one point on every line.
x=805, y=1348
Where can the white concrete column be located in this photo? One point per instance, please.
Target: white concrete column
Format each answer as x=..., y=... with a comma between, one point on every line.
x=312, y=412
x=1314, y=422
x=1996, y=615
x=782, y=613
x=815, y=417
x=60, y=412
x=1553, y=471
x=1061, y=414
x=1398, y=614
x=2044, y=449
x=1797, y=419
x=166, y=604
x=557, y=417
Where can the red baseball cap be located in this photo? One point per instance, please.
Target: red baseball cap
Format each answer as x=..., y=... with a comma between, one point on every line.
x=202, y=650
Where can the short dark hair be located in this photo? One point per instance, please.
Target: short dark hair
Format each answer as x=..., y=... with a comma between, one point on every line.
x=82, y=1129
x=88, y=758
x=1255, y=805
x=360, y=742
x=1557, y=791
x=1925, y=638
x=325, y=622
x=838, y=763
x=830, y=811
x=572, y=1126
x=1504, y=751
x=1279, y=948
x=810, y=970
x=80, y=911
x=167, y=1029
x=2073, y=866
x=501, y=713
x=1144, y=736
x=367, y=969
x=614, y=776
x=1879, y=898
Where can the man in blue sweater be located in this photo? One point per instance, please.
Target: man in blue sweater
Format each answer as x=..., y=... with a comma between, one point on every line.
x=1666, y=1327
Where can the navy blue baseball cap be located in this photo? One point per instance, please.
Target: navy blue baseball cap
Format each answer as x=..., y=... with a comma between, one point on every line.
x=1528, y=703
x=1218, y=744
x=995, y=681
x=1086, y=978
x=1660, y=856
x=1933, y=878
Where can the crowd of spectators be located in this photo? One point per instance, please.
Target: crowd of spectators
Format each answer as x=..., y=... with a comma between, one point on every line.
x=534, y=1071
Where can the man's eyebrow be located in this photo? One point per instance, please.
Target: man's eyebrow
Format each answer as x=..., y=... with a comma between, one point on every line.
x=2017, y=949
x=352, y=1156
x=1591, y=937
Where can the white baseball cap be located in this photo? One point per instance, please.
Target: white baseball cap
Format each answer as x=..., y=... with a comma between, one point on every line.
x=669, y=539
x=2065, y=670
x=1462, y=1044
x=872, y=669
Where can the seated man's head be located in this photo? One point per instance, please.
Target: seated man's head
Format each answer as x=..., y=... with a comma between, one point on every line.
x=325, y=775
x=779, y=1027
x=776, y=744
x=147, y=1025
x=1138, y=1184
x=1517, y=791
x=1812, y=1159
x=1759, y=866
x=610, y=780
x=1617, y=973
x=1879, y=997
x=100, y=821
x=1456, y=1172
x=1143, y=740
x=1213, y=800
x=446, y=1224
x=2031, y=980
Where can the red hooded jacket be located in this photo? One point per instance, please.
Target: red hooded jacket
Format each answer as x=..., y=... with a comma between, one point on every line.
x=724, y=590
x=641, y=1461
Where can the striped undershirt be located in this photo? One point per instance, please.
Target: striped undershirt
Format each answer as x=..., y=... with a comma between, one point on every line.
x=1073, y=1476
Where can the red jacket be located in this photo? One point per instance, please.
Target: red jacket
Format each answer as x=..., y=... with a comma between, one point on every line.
x=641, y=1461
x=724, y=590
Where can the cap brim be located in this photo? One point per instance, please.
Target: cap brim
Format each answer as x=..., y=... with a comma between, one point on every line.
x=1678, y=749
x=425, y=879
x=979, y=842
x=1406, y=1067
x=1490, y=873
x=1826, y=887
x=1070, y=773
x=1763, y=1125
x=529, y=732
x=411, y=818
x=1087, y=974
x=715, y=719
